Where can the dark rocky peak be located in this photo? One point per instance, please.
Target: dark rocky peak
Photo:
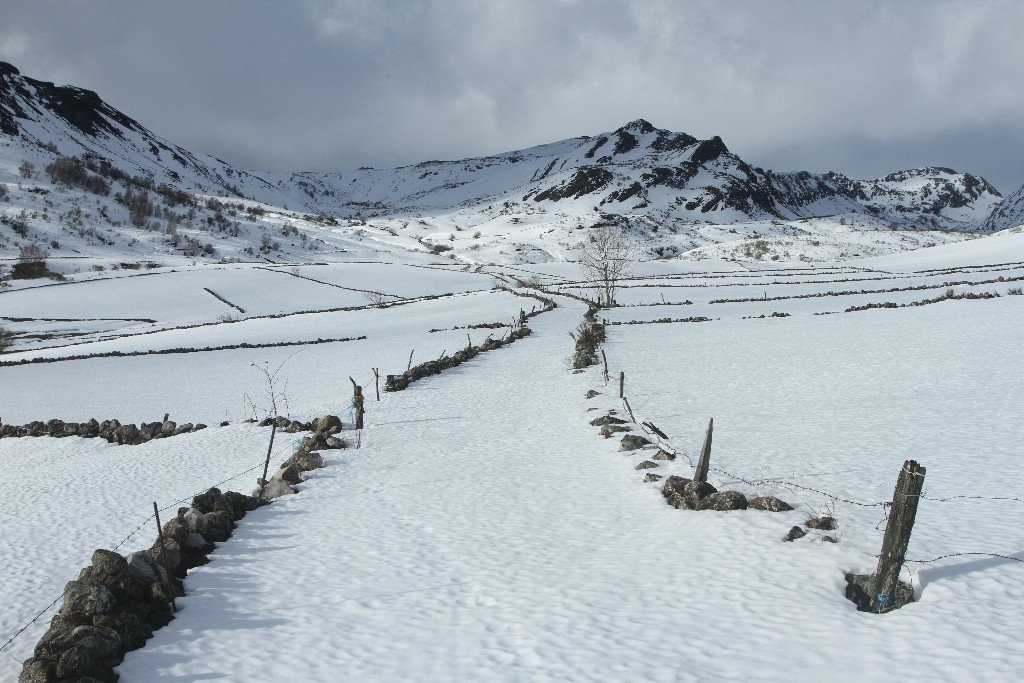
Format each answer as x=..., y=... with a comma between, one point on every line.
x=8, y=69
x=709, y=150
x=639, y=126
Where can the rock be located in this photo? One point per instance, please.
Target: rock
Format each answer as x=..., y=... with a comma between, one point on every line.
x=199, y=425
x=651, y=476
x=328, y=423
x=793, y=534
x=167, y=428
x=128, y=434
x=821, y=523
x=149, y=431
x=664, y=455
x=673, y=490
x=275, y=488
x=211, y=501
x=194, y=520
x=241, y=503
x=632, y=442
x=769, y=503
x=91, y=651
x=591, y=393
x=133, y=630
x=646, y=465
x=697, y=491
x=172, y=550
x=829, y=539
x=305, y=461
x=176, y=528
x=335, y=443
x=140, y=569
x=183, y=428
x=609, y=431
x=38, y=671
x=607, y=420
x=723, y=501
x=289, y=474
x=194, y=543
x=112, y=571
x=266, y=422
x=219, y=526
x=84, y=599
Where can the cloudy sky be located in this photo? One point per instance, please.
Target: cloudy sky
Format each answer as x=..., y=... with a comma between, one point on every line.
x=864, y=88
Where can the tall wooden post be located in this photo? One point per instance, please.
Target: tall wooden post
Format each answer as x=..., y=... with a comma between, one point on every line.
x=266, y=463
x=605, y=357
x=704, y=463
x=376, y=381
x=163, y=555
x=897, y=535
x=357, y=403
x=622, y=384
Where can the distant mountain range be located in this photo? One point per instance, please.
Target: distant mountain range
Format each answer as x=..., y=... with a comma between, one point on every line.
x=636, y=169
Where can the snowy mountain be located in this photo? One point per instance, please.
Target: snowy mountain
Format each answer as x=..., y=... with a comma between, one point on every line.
x=89, y=180
x=1008, y=214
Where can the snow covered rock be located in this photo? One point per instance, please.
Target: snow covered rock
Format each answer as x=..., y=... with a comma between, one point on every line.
x=769, y=503
x=646, y=465
x=632, y=442
x=607, y=420
x=722, y=501
x=84, y=599
x=288, y=474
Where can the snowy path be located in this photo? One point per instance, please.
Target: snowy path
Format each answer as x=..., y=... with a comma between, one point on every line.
x=485, y=532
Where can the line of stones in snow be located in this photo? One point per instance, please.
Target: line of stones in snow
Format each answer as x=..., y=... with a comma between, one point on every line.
x=111, y=430
x=680, y=492
x=117, y=602
x=445, y=362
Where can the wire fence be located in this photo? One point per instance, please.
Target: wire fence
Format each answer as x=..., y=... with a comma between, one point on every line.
x=149, y=519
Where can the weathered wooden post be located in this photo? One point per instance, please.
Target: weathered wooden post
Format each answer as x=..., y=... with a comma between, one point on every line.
x=163, y=554
x=622, y=384
x=357, y=403
x=376, y=381
x=266, y=463
x=410, y=360
x=704, y=462
x=897, y=536
x=605, y=366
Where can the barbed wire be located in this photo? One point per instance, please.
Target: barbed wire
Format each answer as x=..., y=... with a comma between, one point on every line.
x=127, y=538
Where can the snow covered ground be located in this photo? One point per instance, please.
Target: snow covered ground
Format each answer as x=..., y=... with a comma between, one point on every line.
x=486, y=532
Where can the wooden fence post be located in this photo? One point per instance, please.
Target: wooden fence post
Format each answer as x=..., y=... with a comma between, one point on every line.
x=357, y=403
x=897, y=536
x=410, y=359
x=376, y=381
x=622, y=384
x=163, y=554
x=266, y=463
x=704, y=463
x=605, y=366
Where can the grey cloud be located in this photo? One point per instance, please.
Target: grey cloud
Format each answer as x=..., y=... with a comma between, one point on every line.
x=335, y=84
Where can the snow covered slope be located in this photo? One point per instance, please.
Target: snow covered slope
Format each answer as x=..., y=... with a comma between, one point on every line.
x=121, y=190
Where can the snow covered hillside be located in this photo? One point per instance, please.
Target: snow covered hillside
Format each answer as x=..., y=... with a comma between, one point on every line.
x=91, y=185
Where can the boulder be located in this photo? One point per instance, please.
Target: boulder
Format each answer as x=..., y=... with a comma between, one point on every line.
x=171, y=549
x=327, y=423
x=194, y=520
x=305, y=461
x=651, y=476
x=696, y=491
x=183, y=428
x=860, y=588
x=673, y=490
x=591, y=393
x=84, y=599
x=335, y=443
x=646, y=465
x=177, y=529
x=128, y=434
x=149, y=431
x=199, y=425
x=112, y=571
x=769, y=503
x=241, y=504
x=608, y=431
x=289, y=474
x=607, y=420
x=38, y=671
x=134, y=632
x=793, y=534
x=167, y=428
x=92, y=652
x=275, y=488
x=211, y=501
x=632, y=442
x=141, y=569
x=664, y=455
x=723, y=501
x=821, y=523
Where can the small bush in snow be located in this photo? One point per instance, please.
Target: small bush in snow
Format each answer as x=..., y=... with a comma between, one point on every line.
x=1014, y=291
x=6, y=339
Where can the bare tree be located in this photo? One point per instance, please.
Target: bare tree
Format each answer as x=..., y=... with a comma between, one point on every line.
x=606, y=257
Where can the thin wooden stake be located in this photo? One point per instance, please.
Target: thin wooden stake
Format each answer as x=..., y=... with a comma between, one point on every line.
x=357, y=403
x=376, y=381
x=605, y=366
x=163, y=554
x=897, y=536
x=266, y=463
x=410, y=360
x=704, y=463
x=622, y=384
